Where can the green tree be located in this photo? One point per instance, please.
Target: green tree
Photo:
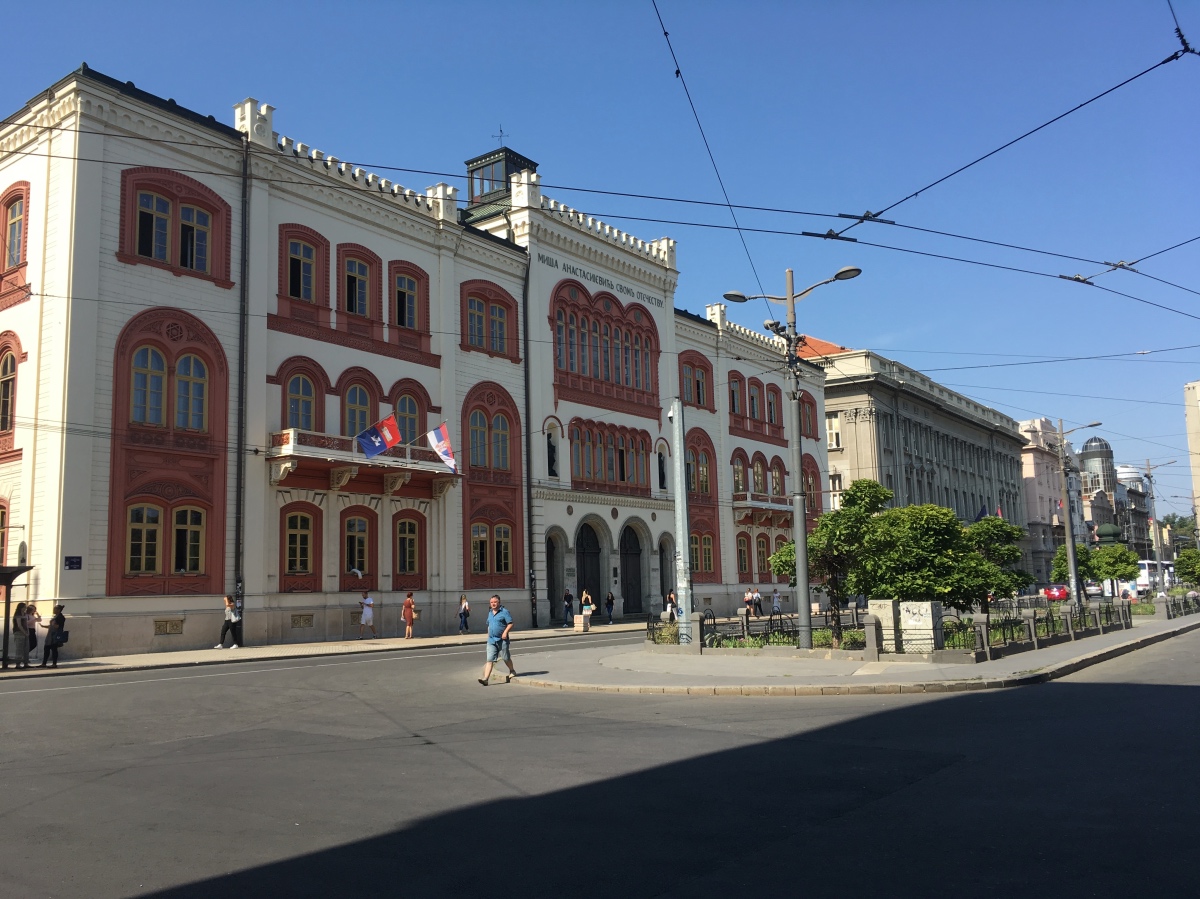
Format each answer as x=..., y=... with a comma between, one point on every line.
x=1187, y=566
x=835, y=547
x=1183, y=528
x=1083, y=563
x=997, y=542
x=918, y=553
x=1114, y=563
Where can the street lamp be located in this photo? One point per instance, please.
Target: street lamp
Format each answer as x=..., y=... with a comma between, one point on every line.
x=1073, y=575
x=799, y=531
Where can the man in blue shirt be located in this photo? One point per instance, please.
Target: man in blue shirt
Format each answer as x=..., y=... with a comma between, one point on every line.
x=499, y=626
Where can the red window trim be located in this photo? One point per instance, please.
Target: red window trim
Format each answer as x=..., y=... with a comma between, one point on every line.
x=365, y=379
x=747, y=576
x=812, y=510
x=603, y=485
x=302, y=365
x=301, y=583
x=806, y=400
x=419, y=338
x=178, y=189
x=369, y=326
x=765, y=494
x=491, y=495
x=316, y=312
x=370, y=578
x=741, y=424
x=11, y=343
x=420, y=580
x=12, y=280
x=491, y=294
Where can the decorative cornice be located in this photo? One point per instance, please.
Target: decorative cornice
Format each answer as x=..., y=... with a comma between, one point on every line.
x=602, y=499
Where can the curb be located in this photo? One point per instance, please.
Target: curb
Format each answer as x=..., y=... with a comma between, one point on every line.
x=373, y=649
x=1042, y=676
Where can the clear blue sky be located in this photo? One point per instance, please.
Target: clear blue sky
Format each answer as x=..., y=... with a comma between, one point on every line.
x=813, y=106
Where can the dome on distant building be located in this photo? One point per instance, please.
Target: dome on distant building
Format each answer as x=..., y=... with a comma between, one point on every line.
x=1096, y=444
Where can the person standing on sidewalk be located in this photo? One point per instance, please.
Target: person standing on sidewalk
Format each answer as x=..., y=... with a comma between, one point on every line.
x=568, y=608
x=776, y=608
x=367, y=604
x=54, y=633
x=409, y=612
x=231, y=626
x=499, y=627
x=20, y=625
x=464, y=613
x=32, y=619
x=757, y=597
x=609, y=602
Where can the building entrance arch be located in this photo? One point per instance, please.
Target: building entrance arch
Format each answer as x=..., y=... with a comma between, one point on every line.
x=587, y=563
x=631, y=572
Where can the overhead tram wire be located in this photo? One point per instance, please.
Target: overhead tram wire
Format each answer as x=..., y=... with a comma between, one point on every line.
x=872, y=215
x=708, y=149
x=272, y=156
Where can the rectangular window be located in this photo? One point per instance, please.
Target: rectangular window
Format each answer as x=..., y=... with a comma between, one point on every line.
x=701, y=388
x=16, y=233
x=833, y=432
x=694, y=552
x=475, y=322
x=189, y=541
x=406, y=302
x=142, y=538
x=754, y=403
x=835, y=491
x=357, y=302
x=707, y=545
x=406, y=547
x=301, y=259
x=687, y=383
x=771, y=414
x=356, y=544
x=743, y=556
x=194, y=226
x=498, y=319
x=735, y=397
x=503, y=549
x=154, y=222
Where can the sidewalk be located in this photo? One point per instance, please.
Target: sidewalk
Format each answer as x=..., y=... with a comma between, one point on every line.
x=621, y=670
x=190, y=657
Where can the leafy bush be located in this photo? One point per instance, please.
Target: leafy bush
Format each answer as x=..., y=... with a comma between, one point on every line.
x=1142, y=608
x=665, y=635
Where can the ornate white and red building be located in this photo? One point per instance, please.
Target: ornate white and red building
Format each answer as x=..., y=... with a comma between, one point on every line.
x=196, y=319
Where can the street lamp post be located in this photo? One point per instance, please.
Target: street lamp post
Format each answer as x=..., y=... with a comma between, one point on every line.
x=1072, y=570
x=799, y=529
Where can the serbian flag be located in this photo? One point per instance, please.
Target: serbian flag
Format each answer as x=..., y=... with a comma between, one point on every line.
x=379, y=437
x=439, y=440
x=999, y=514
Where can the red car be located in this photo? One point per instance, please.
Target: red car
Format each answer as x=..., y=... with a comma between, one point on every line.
x=1056, y=591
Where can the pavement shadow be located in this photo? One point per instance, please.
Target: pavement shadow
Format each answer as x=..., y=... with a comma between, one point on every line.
x=1067, y=789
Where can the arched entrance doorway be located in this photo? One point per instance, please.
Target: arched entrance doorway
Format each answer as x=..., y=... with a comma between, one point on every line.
x=666, y=567
x=554, y=577
x=587, y=563
x=631, y=572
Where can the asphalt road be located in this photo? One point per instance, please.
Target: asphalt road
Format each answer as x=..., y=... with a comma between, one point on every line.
x=398, y=774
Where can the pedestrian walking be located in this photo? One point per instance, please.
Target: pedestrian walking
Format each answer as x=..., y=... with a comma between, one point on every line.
x=20, y=626
x=756, y=596
x=410, y=613
x=671, y=606
x=568, y=608
x=56, y=632
x=232, y=625
x=609, y=602
x=464, y=613
x=367, y=604
x=499, y=627
x=586, y=606
x=748, y=601
x=776, y=608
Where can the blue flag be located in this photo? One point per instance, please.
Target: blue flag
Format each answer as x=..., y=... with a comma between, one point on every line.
x=982, y=513
x=379, y=437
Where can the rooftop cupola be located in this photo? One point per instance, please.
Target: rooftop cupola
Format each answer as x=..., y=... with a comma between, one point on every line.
x=488, y=176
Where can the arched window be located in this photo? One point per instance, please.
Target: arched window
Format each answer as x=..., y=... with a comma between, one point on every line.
x=475, y=321
x=694, y=552
x=587, y=454
x=763, y=553
x=577, y=455
x=777, y=480
x=406, y=418
x=479, y=439
x=500, y=443
x=358, y=291
x=571, y=344
x=735, y=397
x=8, y=392
x=811, y=491
x=356, y=532
x=760, y=479
x=143, y=537
x=407, y=557
x=743, y=555
x=503, y=540
x=772, y=410
x=300, y=403
x=739, y=476
x=688, y=383
x=302, y=262
x=188, y=534
x=702, y=472
x=358, y=410
x=690, y=466
x=754, y=402
x=479, y=548
x=662, y=471
x=498, y=329
x=583, y=346
x=637, y=362
x=560, y=340
x=595, y=349
x=14, y=233
x=701, y=387
x=299, y=542
x=605, y=345
x=191, y=394
x=149, y=369
x=405, y=288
